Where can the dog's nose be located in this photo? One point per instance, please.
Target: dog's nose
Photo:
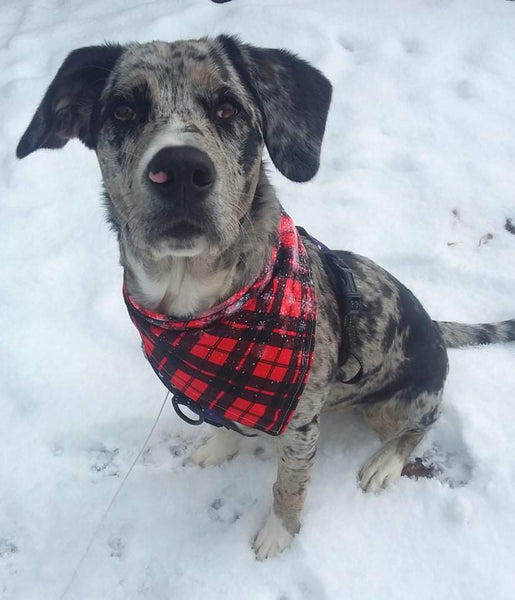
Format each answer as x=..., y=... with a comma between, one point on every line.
x=181, y=173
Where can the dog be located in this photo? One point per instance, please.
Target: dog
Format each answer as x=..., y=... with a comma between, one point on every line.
x=179, y=130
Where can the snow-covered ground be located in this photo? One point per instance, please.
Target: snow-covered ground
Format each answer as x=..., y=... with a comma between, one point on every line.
x=417, y=169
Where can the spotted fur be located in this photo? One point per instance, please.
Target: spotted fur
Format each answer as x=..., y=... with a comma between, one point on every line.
x=281, y=101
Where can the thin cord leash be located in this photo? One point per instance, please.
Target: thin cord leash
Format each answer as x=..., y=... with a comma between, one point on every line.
x=113, y=499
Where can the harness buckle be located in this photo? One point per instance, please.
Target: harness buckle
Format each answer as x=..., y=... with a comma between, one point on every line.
x=352, y=297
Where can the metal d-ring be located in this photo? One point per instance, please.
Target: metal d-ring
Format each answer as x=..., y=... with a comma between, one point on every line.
x=180, y=400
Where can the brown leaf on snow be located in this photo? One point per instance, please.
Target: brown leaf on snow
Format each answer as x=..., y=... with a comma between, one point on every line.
x=485, y=239
x=417, y=469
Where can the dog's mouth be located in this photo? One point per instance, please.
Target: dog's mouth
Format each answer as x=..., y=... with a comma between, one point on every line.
x=180, y=237
x=182, y=230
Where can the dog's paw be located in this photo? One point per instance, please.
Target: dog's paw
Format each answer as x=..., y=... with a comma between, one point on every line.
x=383, y=468
x=272, y=539
x=217, y=450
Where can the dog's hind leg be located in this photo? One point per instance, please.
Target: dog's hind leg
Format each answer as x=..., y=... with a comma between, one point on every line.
x=219, y=448
x=401, y=424
x=385, y=466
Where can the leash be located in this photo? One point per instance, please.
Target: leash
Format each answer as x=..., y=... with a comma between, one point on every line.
x=109, y=506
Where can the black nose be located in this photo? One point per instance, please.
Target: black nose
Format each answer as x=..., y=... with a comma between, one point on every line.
x=181, y=174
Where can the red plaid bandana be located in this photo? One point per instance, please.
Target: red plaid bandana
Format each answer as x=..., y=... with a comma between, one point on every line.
x=249, y=358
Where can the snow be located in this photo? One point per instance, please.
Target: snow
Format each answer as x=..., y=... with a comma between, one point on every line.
x=417, y=168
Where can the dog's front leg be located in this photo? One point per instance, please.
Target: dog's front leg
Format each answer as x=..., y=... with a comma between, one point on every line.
x=219, y=448
x=296, y=455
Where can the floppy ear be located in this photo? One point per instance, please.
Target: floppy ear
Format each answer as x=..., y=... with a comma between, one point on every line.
x=67, y=107
x=294, y=99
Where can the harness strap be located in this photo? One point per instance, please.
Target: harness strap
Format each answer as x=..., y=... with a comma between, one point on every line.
x=350, y=337
x=349, y=303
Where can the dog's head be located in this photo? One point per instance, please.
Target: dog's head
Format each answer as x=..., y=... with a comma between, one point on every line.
x=179, y=130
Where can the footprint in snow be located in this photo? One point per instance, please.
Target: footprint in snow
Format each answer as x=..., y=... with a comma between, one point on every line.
x=7, y=548
x=264, y=453
x=116, y=548
x=230, y=505
x=8, y=551
x=411, y=45
x=169, y=446
x=308, y=586
x=464, y=89
x=348, y=45
x=104, y=461
x=362, y=51
x=223, y=510
x=119, y=543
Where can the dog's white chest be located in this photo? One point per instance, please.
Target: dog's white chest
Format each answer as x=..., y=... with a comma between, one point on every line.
x=181, y=291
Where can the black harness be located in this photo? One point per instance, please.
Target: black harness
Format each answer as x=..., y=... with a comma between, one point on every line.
x=349, y=302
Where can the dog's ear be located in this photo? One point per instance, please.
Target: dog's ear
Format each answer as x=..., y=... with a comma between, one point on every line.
x=67, y=107
x=294, y=99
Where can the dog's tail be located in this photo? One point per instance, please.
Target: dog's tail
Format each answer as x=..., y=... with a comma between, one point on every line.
x=456, y=335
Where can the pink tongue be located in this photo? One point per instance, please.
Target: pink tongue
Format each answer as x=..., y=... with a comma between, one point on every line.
x=159, y=177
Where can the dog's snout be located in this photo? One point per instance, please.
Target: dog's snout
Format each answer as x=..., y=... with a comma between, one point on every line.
x=181, y=173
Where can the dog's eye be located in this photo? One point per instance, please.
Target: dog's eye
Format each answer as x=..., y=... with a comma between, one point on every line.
x=226, y=110
x=124, y=113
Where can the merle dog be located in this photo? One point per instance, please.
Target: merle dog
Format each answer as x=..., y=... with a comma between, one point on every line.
x=203, y=110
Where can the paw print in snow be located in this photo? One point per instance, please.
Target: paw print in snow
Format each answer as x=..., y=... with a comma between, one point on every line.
x=104, y=461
